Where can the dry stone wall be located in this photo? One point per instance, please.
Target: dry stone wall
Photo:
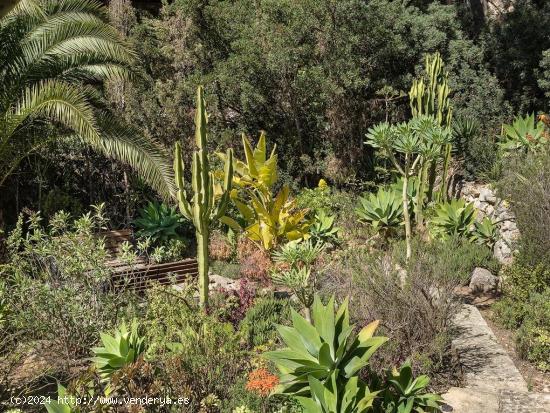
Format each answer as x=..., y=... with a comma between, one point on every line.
x=489, y=205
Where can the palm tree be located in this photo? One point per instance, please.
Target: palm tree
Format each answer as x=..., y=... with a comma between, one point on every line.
x=54, y=58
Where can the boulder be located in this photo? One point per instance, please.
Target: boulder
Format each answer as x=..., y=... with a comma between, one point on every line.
x=483, y=280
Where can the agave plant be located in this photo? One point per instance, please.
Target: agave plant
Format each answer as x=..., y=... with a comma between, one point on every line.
x=118, y=351
x=485, y=232
x=407, y=394
x=64, y=403
x=454, y=218
x=525, y=133
x=159, y=222
x=323, y=229
x=383, y=210
x=333, y=397
x=327, y=349
x=53, y=55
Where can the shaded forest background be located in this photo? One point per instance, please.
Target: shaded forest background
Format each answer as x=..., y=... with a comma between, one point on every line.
x=314, y=74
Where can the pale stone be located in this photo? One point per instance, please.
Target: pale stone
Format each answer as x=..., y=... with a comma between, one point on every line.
x=483, y=281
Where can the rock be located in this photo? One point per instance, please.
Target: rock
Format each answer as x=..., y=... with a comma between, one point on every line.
x=502, y=252
x=486, y=195
x=219, y=282
x=483, y=281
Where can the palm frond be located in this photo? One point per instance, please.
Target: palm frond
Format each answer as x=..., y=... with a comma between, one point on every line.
x=125, y=143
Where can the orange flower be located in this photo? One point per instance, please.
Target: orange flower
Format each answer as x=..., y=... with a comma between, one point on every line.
x=261, y=381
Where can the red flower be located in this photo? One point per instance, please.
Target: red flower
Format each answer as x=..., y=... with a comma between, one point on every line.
x=261, y=381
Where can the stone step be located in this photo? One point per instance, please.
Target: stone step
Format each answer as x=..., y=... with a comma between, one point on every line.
x=521, y=402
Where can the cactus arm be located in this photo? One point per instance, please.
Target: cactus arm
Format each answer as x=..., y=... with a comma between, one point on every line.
x=179, y=168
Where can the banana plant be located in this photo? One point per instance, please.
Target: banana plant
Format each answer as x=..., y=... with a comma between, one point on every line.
x=485, y=232
x=383, y=210
x=118, y=351
x=333, y=397
x=268, y=222
x=327, y=349
x=209, y=200
x=525, y=134
x=454, y=218
x=407, y=394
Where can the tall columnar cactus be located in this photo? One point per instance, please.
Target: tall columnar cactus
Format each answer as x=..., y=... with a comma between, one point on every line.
x=432, y=98
x=204, y=206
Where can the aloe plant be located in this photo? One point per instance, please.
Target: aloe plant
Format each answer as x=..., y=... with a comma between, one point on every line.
x=119, y=350
x=327, y=349
x=159, y=222
x=485, y=232
x=407, y=394
x=525, y=133
x=299, y=253
x=257, y=171
x=454, y=218
x=64, y=403
x=383, y=210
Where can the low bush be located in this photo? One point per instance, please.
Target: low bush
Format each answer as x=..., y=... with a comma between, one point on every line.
x=526, y=185
x=57, y=286
x=415, y=301
x=520, y=282
x=533, y=337
x=258, y=327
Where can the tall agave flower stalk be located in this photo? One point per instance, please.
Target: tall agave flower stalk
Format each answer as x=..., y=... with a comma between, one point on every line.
x=204, y=206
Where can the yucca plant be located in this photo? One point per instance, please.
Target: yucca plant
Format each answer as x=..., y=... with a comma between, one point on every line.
x=118, y=351
x=53, y=54
x=454, y=218
x=159, y=222
x=323, y=229
x=485, y=232
x=525, y=133
x=326, y=349
x=407, y=394
x=299, y=253
x=302, y=284
x=383, y=210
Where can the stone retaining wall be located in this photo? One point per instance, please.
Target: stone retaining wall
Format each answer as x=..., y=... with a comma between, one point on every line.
x=487, y=204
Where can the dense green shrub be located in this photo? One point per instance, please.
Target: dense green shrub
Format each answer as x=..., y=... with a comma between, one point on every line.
x=58, y=285
x=259, y=325
x=520, y=282
x=533, y=336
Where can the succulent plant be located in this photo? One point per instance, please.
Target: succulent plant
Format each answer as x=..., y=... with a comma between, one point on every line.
x=455, y=217
x=159, y=222
x=118, y=351
x=383, y=210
